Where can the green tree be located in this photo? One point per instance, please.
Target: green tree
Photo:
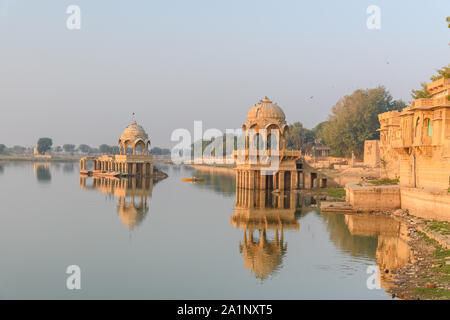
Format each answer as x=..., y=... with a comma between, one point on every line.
x=44, y=144
x=69, y=147
x=84, y=148
x=354, y=119
x=18, y=149
x=441, y=73
x=300, y=138
x=423, y=93
x=104, y=148
x=2, y=148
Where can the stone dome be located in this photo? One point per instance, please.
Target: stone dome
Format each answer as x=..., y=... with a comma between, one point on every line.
x=134, y=132
x=266, y=110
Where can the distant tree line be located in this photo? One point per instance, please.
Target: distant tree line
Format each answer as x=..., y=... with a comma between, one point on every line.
x=45, y=144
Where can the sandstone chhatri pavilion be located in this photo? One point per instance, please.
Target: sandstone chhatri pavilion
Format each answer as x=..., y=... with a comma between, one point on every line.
x=265, y=162
x=133, y=160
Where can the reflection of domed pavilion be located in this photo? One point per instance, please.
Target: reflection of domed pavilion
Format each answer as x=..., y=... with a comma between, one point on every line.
x=265, y=163
x=132, y=196
x=266, y=214
x=134, y=158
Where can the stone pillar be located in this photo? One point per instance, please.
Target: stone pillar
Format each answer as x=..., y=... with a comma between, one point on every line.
x=275, y=181
x=251, y=178
x=294, y=180
x=307, y=180
x=241, y=179
x=262, y=199
x=262, y=183
x=281, y=178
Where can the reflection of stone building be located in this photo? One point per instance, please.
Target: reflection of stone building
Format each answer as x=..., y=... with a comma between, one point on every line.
x=134, y=158
x=131, y=193
x=267, y=215
x=42, y=171
x=393, y=250
x=265, y=163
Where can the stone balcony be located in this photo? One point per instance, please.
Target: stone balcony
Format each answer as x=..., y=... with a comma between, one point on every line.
x=435, y=86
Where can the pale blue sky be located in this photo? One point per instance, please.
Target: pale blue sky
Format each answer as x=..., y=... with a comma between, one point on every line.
x=173, y=62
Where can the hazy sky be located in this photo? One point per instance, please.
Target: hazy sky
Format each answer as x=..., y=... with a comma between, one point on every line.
x=173, y=62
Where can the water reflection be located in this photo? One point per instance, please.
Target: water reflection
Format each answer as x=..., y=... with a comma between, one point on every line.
x=264, y=217
x=42, y=171
x=222, y=181
x=131, y=194
x=392, y=250
x=69, y=167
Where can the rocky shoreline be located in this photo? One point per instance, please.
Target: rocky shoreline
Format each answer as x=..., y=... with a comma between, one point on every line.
x=427, y=276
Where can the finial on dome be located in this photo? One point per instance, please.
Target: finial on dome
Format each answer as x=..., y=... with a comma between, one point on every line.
x=266, y=100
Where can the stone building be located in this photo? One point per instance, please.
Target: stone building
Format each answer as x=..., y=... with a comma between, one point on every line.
x=134, y=158
x=415, y=142
x=371, y=153
x=264, y=162
x=319, y=151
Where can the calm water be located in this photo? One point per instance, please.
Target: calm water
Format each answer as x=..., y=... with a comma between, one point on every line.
x=180, y=240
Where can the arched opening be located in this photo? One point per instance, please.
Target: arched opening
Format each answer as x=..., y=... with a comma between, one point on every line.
x=416, y=128
x=272, y=142
x=258, y=143
x=139, y=148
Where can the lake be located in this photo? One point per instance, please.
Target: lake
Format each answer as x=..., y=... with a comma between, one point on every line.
x=134, y=239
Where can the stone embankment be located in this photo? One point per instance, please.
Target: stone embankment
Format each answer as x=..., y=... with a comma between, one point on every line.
x=427, y=276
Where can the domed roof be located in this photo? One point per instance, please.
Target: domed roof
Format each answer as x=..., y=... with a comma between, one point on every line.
x=134, y=132
x=266, y=109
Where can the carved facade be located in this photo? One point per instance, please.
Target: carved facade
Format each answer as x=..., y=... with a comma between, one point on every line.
x=415, y=142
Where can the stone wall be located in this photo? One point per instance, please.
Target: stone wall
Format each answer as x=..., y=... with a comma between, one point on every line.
x=425, y=203
x=371, y=153
x=373, y=198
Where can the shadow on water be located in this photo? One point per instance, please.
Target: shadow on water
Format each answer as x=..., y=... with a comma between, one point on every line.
x=131, y=194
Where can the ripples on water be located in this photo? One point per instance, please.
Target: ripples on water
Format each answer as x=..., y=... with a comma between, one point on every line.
x=134, y=238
